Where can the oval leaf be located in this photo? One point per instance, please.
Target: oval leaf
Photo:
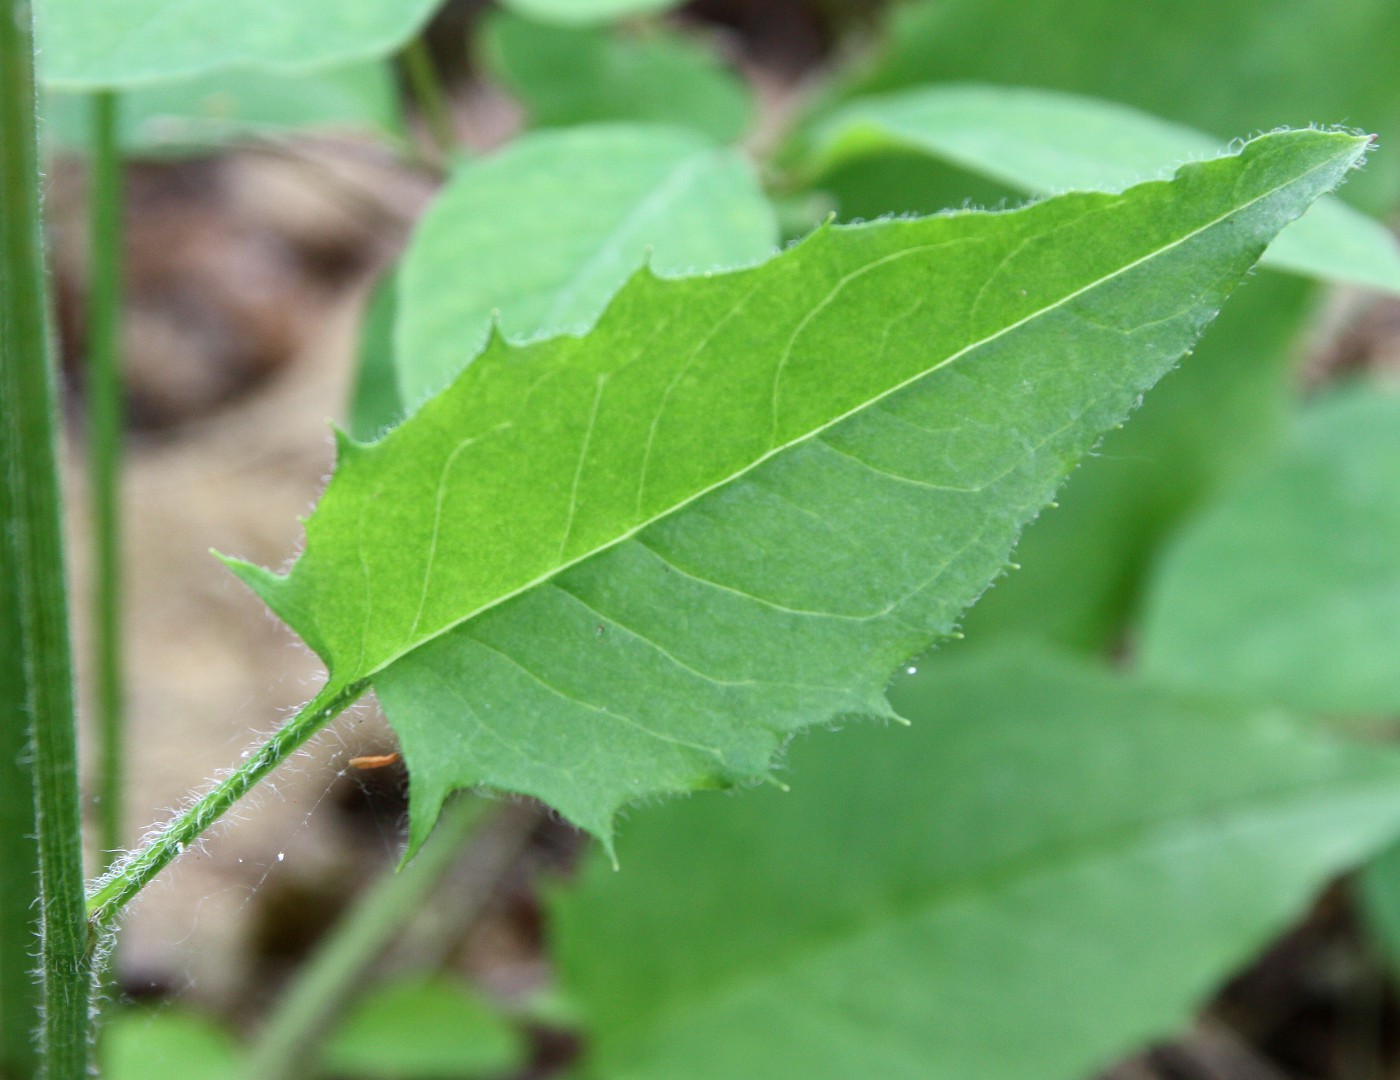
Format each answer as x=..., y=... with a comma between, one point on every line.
x=90, y=44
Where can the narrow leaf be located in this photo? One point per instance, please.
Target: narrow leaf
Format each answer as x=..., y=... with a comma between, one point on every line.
x=596, y=569
x=1052, y=847
x=88, y=44
x=1039, y=141
x=1288, y=589
x=541, y=235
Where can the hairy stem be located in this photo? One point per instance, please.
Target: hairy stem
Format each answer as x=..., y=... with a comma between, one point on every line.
x=130, y=875
x=302, y=1015
x=428, y=93
x=32, y=549
x=104, y=402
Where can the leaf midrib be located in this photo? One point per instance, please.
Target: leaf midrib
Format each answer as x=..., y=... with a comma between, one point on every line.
x=1044, y=863
x=818, y=430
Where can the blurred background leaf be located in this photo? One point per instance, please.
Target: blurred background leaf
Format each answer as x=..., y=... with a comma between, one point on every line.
x=200, y=114
x=566, y=75
x=1288, y=588
x=1051, y=866
x=93, y=44
x=539, y=236
x=423, y=1029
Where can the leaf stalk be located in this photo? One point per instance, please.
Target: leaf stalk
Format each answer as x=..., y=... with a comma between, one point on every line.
x=131, y=874
x=431, y=98
x=104, y=412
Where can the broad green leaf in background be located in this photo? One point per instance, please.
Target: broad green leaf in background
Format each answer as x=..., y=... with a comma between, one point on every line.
x=1040, y=142
x=166, y=1044
x=543, y=233
x=588, y=12
x=90, y=44
x=201, y=113
x=575, y=75
x=603, y=568
x=375, y=405
x=1052, y=866
x=1224, y=67
x=1288, y=589
x=422, y=1029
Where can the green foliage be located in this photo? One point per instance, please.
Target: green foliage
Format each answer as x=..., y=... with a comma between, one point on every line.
x=1378, y=889
x=199, y=114
x=563, y=582
x=587, y=12
x=375, y=405
x=1288, y=589
x=1049, y=846
x=541, y=235
x=1040, y=142
x=575, y=75
x=422, y=1029
x=88, y=44
x=168, y=1044
x=1225, y=67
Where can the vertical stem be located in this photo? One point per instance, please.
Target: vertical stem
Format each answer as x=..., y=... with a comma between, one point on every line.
x=104, y=401
x=20, y=992
x=428, y=92
x=33, y=557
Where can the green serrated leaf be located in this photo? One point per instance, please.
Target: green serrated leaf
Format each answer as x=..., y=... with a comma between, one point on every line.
x=1039, y=141
x=541, y=235
x=94, y=44
x=1288, y=589
x=422, y=1029
x=602, y=568
x=588, y=12
x=578, y=75
x=1049, y=842
x=196, y=115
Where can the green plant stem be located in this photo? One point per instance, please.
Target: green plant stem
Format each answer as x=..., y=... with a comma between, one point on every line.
x=33, y=565
x=20, y=993
x=428, y=93
x=104, y=400
x=129, y=876
x=330, y=977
